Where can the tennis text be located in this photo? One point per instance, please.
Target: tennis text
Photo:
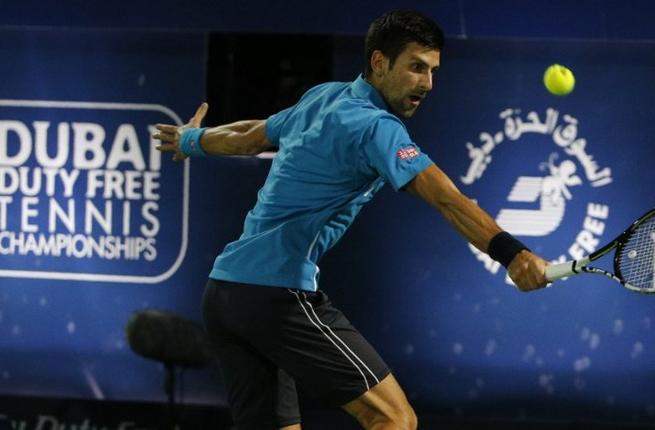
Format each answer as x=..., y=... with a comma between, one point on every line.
x=78, y=189
x=587, y=241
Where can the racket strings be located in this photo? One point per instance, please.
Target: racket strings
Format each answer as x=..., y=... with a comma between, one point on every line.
x=636, y=258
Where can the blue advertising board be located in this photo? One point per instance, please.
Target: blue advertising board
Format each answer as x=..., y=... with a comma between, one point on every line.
x=94, y=224
x=565, y=175
x=85, y=200
x=94, y=221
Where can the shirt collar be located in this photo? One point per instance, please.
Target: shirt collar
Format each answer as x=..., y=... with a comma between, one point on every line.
x=363, y=89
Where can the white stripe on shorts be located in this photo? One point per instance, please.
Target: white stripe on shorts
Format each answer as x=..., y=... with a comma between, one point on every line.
x=342, y=342
x=330, y=339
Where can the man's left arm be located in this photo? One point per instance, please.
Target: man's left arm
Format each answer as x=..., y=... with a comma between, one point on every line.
x=238, y=138
x=437, y=189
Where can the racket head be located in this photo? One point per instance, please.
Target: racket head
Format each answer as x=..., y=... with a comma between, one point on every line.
x=634, y=260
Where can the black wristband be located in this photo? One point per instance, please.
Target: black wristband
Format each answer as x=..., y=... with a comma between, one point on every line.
x=503, y=247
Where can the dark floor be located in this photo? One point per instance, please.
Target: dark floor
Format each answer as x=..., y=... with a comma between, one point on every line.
x=31, y=413
x=340, y=421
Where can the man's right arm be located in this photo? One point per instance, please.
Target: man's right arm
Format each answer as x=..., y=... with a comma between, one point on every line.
x=474, y=224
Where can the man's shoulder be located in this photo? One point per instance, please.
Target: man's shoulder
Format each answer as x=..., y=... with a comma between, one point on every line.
x=324, y=89
x=341, y=106
x=364, y=112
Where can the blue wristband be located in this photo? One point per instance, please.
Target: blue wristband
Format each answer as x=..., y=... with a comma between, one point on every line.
x=190, y=142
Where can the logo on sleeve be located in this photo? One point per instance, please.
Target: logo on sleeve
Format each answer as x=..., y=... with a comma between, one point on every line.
x=407, y=153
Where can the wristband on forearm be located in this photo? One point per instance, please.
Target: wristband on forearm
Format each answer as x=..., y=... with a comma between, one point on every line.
x=190, y=142
x=503, y=247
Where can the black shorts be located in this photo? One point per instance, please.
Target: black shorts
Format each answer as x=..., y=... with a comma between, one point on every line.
x=269, y=338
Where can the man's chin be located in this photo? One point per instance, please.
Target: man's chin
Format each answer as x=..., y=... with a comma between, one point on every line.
x=405, y=111
x=408, y=113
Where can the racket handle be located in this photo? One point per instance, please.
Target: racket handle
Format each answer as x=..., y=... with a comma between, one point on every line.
x=563, y=270
x=560, y=270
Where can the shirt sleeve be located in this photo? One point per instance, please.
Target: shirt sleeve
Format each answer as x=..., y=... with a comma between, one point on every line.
x=274, y=125
x=390, y=151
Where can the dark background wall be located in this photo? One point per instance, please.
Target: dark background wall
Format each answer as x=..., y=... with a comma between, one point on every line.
x=463, y=343
x=582, y=19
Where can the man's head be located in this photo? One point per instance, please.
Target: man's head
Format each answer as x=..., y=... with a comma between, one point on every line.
x=402, y=51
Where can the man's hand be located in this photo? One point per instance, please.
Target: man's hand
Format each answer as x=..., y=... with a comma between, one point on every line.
x=527, y=270
x=170, y=134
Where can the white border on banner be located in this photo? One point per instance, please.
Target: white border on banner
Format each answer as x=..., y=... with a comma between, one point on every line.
x=99, y=277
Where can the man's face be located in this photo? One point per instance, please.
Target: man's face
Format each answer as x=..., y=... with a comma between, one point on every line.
x=405, y=85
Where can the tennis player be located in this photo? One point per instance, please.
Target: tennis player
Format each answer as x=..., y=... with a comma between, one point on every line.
x=273, y=326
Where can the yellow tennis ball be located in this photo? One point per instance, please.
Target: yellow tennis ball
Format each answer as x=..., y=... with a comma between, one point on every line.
x=559, y=80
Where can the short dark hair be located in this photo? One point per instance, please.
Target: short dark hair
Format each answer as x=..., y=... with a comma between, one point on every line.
x=393, y=31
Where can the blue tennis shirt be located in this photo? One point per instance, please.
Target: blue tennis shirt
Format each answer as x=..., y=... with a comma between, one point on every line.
x=337, y=147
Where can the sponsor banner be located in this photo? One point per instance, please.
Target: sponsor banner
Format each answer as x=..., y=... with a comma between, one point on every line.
x=94, y=222
x=535, y=204
x=84, y=194
x=565, y=175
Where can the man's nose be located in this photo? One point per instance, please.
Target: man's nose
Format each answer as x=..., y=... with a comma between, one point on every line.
x=427, y=82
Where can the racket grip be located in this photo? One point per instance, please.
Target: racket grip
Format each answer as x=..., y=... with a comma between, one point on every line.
x=560, y=270
x=568, y=268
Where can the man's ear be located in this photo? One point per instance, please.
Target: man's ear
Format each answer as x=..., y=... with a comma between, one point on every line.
x=379, y=63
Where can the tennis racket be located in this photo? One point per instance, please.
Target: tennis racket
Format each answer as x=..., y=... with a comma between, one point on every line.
x=634, y=259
